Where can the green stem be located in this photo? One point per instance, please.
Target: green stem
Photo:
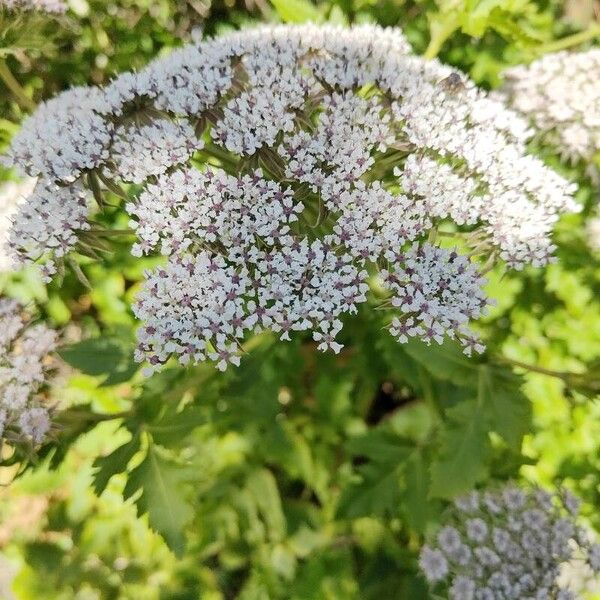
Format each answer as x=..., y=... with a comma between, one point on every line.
x=537, y=369
x=111, y=232
x=434, y=47
x=571, y=40
x=440, y=33
x=15, y=87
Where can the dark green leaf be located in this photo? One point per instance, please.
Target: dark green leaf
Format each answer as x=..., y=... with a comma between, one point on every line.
x=173, y=426
x=507, y=409
x=446, y=362
x=464, y=450
x=159, y=481
x=108, y=356
x=115, y=462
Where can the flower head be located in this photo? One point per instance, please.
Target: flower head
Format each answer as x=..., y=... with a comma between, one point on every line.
x=516, y=542
x=282, y=171
x=560, y=94
x=26, y=365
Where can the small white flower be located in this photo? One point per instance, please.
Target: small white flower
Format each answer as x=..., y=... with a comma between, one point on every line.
x=35, y=423
x=507, y=543
x=433, y=564
x=560, y=93
x=25, y=368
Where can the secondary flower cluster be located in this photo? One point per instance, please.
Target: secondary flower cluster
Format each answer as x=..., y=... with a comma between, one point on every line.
x=283, y=171
x=508, y=543
x=11, y=195
x=45, y=224
x=49, y=6
x=25, y=366
x=560, y=93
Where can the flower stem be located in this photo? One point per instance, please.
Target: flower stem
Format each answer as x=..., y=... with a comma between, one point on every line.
x=15, y=87
x=571, y=40
x=537, y=369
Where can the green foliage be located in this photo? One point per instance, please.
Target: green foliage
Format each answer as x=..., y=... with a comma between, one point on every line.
x=296, y=11
x=158, y=479
x=108, y=356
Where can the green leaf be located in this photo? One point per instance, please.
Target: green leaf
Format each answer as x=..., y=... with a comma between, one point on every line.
x=378, y=491
x=115, y=462
x=296, y=11
x=159, y=480
x=379, y=445
x=263, y=487
x=108, y=356
x=446, y=362
x=508, y=410
x=173, y=426
x=416, y=505
x=377, y=494
x=464, y=450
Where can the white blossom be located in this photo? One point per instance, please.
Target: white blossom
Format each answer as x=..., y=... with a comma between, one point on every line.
x=64, y=136
x=45, y=226
x=139, y=152
x=517, y=543
x=26, y=366
x=433, y=564
x=11, y=195
x=560, y=94
x=282, y=171
x=439, y=290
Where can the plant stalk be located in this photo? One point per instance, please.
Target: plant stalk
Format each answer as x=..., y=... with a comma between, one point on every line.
x=15, y=87
x=571, y=40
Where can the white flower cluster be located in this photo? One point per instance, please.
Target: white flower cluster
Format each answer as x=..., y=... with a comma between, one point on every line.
x=25, y=366
x=140, y=152
x=11, y=195
x=340, y=152
x=438, y=292
x=508, y=543
x=49, y=6
x=560, y=94
x=45, y=225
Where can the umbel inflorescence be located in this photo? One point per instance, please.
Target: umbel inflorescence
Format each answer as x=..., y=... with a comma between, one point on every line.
x=12, y=193
x=49, y=6
x=508, y=543
x=284, y=172
x=26, y=364
x=560, y=94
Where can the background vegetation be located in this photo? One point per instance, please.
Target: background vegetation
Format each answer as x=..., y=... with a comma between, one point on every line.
x=299, y=475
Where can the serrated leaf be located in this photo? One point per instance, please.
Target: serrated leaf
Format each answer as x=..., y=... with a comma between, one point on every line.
x=108, y=356
x=446, y=362
x=263, y=487
x=464, y=450
x=416, y=505
x=174, y=426
x=507, y=409
x=158, y=481
x=114, y=463
x=377, y=494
